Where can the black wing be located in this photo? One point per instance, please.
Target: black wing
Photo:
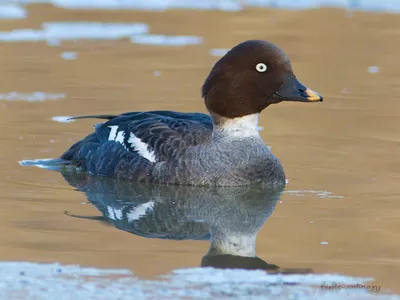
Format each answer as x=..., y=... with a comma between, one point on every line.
x=140, y=138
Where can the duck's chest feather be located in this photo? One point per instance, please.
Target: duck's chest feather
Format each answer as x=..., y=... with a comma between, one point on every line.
x=227, y=162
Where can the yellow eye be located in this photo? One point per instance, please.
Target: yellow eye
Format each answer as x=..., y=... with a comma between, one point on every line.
x=261, y=67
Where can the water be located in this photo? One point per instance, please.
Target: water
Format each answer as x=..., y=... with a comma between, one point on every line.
x=229, y=217
x=339, y=215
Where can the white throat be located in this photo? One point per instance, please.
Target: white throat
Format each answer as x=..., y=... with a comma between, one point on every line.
x=242, y=126
x=233, y=244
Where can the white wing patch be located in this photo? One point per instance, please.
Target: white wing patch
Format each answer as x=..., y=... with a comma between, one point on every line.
x=114, y=214
x=113, y=132
x=140, y=211
x=134, y=141
x=120, y=138
x=141, y=148
x=118, y=214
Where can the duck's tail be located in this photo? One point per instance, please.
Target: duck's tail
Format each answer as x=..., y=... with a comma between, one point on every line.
x=107, y=117
x=56, y=164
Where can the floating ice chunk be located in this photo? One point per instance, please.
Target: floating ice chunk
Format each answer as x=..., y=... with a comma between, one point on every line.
x=12, y=11
x=35, y=269
x=32, y=97
x=63, y=119
x=218, y=52
x=324, y=243
x=392, y=6
x=294, y=5
x=225, y=5
x=113, y=4
x=156, y=5
x=220, y=277
x=373, y=5
x=164, y=40
x=91, y=30
x=54, y=32
x=22, y=35
x=369, y=5
x=373, y=69
x=69, y=55
x=62, y=282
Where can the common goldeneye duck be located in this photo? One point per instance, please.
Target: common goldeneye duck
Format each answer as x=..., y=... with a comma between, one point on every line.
x=221, y=149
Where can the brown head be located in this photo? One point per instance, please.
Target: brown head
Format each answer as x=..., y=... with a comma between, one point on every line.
x=251, y=76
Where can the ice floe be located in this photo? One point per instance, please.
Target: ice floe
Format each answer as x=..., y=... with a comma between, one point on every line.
x=164, y=40
x=61, y=31
x=31, y=97
x=56, y=281
x=373, y=69
x=218, y=52
x=12, y=11
x=224, y=5
x=69, y=55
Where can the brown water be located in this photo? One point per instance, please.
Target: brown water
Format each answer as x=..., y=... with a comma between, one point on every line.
x=347, y=145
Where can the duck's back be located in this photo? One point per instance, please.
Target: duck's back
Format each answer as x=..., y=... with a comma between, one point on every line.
x=130, y=145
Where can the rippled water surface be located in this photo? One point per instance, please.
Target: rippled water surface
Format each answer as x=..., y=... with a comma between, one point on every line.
x=339, y=214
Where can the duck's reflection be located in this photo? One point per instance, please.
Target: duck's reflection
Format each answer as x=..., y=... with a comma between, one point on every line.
x=230, y=217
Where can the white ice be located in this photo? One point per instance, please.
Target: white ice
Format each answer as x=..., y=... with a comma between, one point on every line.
x=61, y=282
x=12, y=11
x=31, y=97
x=164, y=40
x=52, y=32
x=224, y=5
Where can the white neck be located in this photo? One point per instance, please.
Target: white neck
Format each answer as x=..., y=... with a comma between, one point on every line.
x=242, y=126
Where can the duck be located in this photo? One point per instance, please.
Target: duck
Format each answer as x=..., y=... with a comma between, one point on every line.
x=221, y=148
